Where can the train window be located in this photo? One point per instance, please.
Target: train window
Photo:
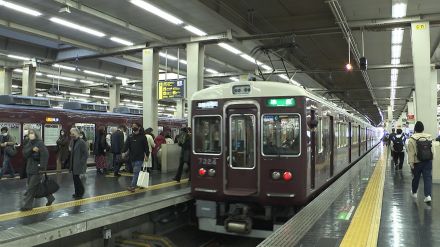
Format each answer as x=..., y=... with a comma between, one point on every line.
x=342, y=140
x=319, y=135
x=207, y=138
x=355, y=135
x=242, y=141
x=13, y=130
x=281, y=134
x=51, y=134
x=35, y=126
x=88, y=129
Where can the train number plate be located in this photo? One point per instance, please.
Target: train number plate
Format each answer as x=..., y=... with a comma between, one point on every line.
x=207, y=161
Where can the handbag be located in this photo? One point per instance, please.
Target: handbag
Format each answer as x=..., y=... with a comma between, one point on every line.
x=46, y=187
x=144, y=176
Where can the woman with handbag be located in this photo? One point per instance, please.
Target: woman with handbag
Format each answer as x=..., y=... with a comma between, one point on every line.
x=36, y=156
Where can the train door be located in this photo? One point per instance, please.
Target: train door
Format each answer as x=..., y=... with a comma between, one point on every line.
x=350, y=144
x=331, y=136
x=241, y=165
x=313, y=119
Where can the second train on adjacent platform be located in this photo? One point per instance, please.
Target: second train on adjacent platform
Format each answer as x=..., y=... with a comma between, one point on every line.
x=262, y=150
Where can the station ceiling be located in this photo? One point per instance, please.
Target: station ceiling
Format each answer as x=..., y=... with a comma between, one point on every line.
x=303, y=38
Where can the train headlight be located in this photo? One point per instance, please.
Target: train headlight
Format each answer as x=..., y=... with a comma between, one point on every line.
x=202, y=171
x=211, y=172
x=276, y=175
x=287, y=176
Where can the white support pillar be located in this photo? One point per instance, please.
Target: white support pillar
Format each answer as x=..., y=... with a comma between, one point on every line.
x=180, y=109
x=150, y=77
x=426, y=89
x=29, y=81
x=195, y=54
x=5, y=81
x=114, y=96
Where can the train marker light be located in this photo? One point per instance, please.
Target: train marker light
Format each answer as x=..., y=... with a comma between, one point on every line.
x=348, y=67
x=287, y=176
x=211, y=172
x=289, y=102
x=202, y=171
x=276, y=175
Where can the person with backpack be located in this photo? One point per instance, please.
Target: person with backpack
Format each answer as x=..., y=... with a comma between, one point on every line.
x=9, y=151
x=420, y=160
x=398, y=148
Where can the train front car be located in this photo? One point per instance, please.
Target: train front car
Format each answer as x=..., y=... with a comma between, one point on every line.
x=249, y=162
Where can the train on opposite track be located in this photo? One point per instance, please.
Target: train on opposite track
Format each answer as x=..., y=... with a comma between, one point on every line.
x=262, y=150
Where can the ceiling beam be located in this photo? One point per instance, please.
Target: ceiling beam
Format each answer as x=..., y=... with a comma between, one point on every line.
x=394, y=22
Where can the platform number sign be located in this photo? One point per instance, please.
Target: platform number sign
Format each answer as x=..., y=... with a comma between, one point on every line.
x=421, y=26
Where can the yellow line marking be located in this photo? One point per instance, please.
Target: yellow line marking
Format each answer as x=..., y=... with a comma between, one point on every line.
x=132, y=242
x=69, y=204
x=364, y=228
x=163, y=240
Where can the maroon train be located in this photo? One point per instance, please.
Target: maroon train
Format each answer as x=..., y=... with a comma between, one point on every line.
x=49, y=121
x=262, y=150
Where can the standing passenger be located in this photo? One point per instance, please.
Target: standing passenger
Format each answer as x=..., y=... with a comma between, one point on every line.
x=158, y=141
x=36, y=156
x=137, y=146
x=23, y=173
x=420, y=160
x=109, y=154
x=185, y=153
x=99, y=151
x=78, y=161
x=7, y=143
x=62, y=150
x=150, y=139
x=117, y=141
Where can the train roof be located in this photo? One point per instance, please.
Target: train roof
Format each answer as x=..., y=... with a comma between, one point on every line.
x=264, y=89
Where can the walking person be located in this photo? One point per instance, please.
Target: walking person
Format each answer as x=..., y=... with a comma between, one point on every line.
x=25, y=141
x=36, y=155
x=78, y=161
x=398, y=147
x=7, y=145
x=420, y=160
x=137, y=147
x=150, y=138
x=99, y=151
x=117, y=144
x=185, y=152
x=62, y=151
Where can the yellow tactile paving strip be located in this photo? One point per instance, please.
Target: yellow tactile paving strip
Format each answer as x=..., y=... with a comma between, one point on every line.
x=69, y=204
x=364, y=228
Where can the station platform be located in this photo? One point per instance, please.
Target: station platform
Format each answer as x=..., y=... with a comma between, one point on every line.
x=370, y=205
x=105, y=201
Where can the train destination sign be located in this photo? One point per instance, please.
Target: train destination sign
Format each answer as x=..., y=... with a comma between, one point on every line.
x=171, y=89
x=287, y=102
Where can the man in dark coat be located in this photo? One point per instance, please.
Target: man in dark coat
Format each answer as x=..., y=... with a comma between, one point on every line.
x=36, y=155
x=185, y=153
x=117, y=141
x=7, y=142
x=78, y=161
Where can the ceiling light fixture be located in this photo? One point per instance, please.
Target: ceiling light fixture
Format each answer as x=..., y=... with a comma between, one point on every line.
x=399, y=10
x=18, y=70
x=18, y=57
x=395, y=51
x=212, y=71
x=156, y=11
x=348, y=66
x=248, y=58
x=61, y=77
x=167, y=56
x=397, y=36
x=98, y=74
x=20, y=8
x=39, y=74
x=229, y=48
x=266, y=67
x=195, y=30
x=63, y=67
x=77, y=27
x=87, y=82
x=234, y=79
x=99, y=97
x=79, y=94
x=121, y=41
x=183, y=61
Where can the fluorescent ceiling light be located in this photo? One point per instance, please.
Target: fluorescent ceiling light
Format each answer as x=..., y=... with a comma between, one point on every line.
x=397, y=36
x=266, y=67
x=156, y=11
x=54, y=97
x=20, y=8
x=87, y=82
x=284, y=77
x=121, y=41
x=132, y=105
x=14, y=86
x=137, y=101
x=395, y=61
x=61, y=77
x=229, y=48
x=183, y=61
x=395, y=51
x=234, y=79
x=167, y=56
x=212, y=71
x=247, y=57
x=18, y=57
x=195, y=30
x=80, y=94
x=122, y=78
x=394, y=71
x=99, y=97
x=97, y=73
x=77, y=27
x=63, y=67
x=39, y=73
x=399, y=10
x=18, y=70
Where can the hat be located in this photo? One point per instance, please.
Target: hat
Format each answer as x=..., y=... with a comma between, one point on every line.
x=419, y=127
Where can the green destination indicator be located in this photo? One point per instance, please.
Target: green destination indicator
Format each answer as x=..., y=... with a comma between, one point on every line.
x=288, y=102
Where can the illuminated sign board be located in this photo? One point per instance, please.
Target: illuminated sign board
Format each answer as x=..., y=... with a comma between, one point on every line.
x=207, y=105
x=287, y=102
x=171, y=89
x=52, y=120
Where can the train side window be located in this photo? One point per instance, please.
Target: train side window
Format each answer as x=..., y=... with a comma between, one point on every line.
x=320, y=136
x=88, y=129
x=207, y=139
x=281, y=134
x=13, y=130
x=51, y=134
x=242, y=141
x=355, y=135
x=35, y=126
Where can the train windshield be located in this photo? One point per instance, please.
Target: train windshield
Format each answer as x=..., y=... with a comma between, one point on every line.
x=281, y=134
x=207, y=136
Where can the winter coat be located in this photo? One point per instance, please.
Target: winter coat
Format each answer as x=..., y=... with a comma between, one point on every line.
x=63, y=148
x=35, y=161
x=158, y=141
x=78, y=156
x=100, y=146
x=117, y=141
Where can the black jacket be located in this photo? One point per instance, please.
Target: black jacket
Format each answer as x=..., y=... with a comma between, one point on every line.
x=117, y=142
x=100, y=146
x=35, y=161
x=137, y=145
